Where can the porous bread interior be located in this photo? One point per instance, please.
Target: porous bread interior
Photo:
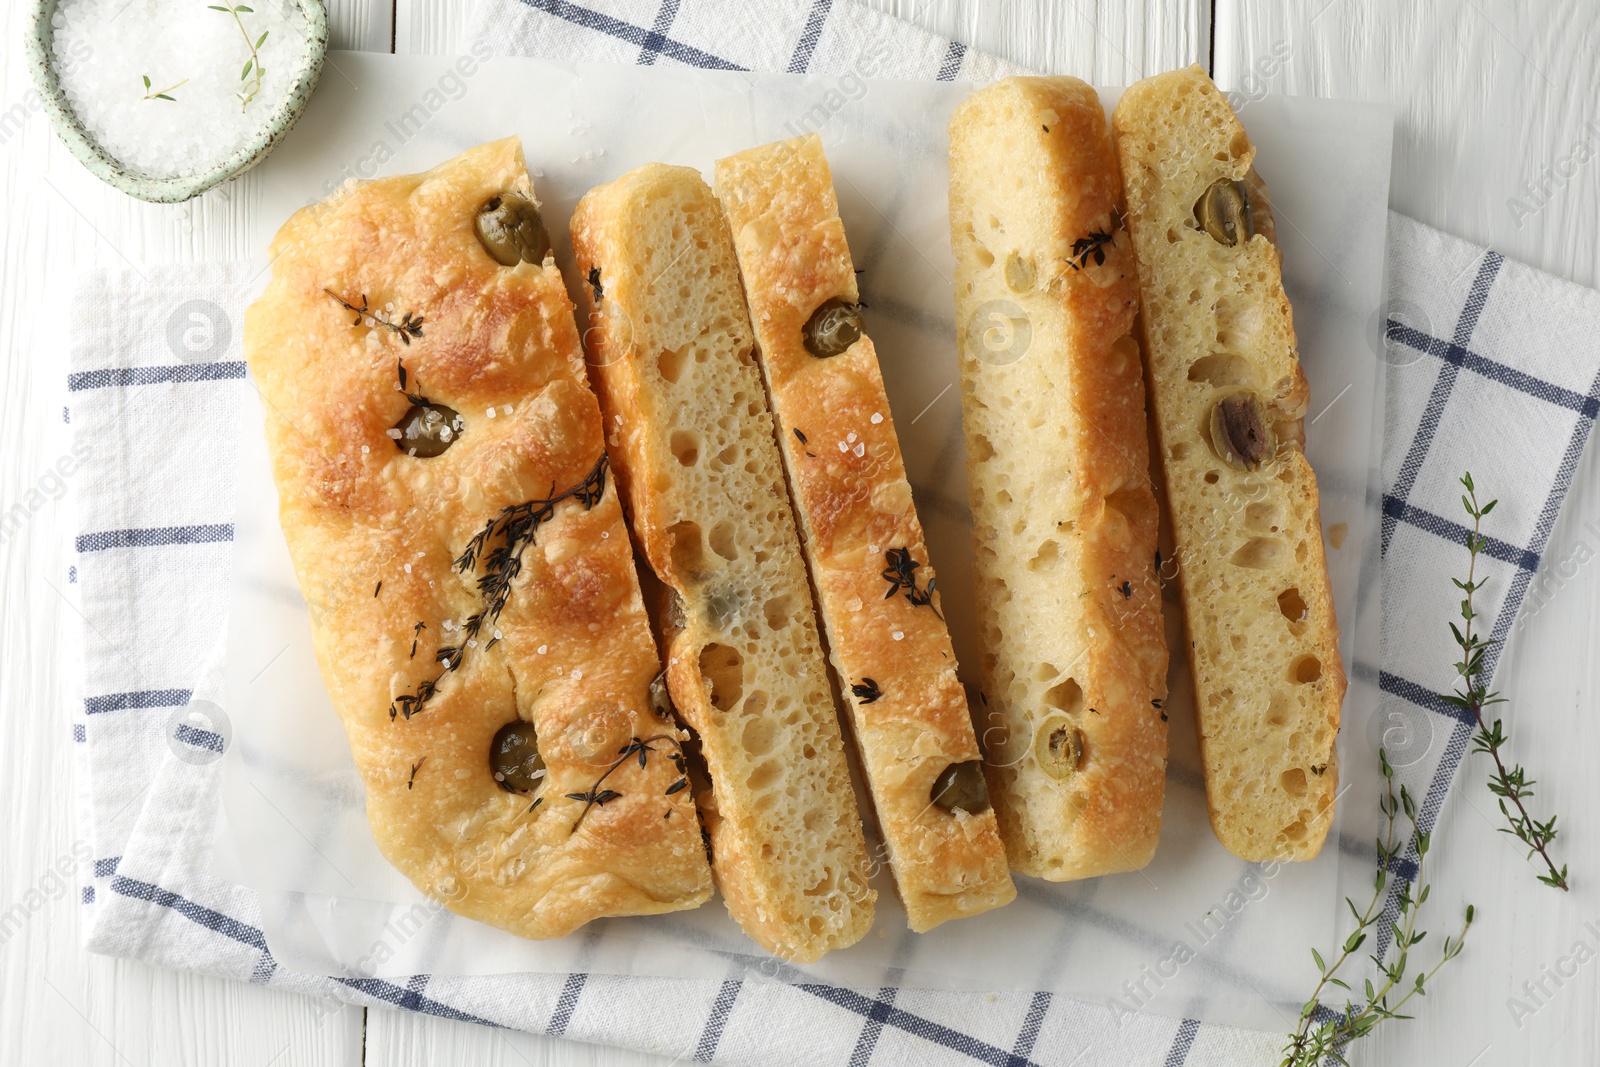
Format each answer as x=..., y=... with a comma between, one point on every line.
x=1051, y=519
x=704, y=479
x=1263, y=638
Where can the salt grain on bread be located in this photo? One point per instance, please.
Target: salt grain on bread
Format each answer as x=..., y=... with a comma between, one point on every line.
x=692, y=439
x=869, y=565
x=1229, y=399
x=1064, y=516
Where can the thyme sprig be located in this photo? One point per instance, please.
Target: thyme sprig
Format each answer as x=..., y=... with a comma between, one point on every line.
x=499, y=546
x=901, y=573
x=595, y=796
x=407, y=328
x=1313, y=1042
x=1512, y=786
x=160, y=94
x=251, y=75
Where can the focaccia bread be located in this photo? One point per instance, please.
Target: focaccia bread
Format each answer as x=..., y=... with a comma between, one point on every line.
x=869, y=565
x=1063, y=512
x=443, y=488
x=688, y=426
x=1229, y=401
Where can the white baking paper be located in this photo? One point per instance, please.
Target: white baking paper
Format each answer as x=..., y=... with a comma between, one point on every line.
x=1198, y=932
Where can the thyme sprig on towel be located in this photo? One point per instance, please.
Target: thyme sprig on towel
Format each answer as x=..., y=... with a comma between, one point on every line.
x=1511, y=785
x=595, y=796
x=1321, y=1034
x=499, y=546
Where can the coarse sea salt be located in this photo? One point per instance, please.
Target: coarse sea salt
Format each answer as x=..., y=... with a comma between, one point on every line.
x=104, y=49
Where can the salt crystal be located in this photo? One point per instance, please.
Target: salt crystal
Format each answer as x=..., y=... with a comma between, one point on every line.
x=365, y=449
x=491, y=413
x=850, y=438
x=105, y=49
x=506, y=410
x=577, y=676
x=876, y=418
x=898, y=635
x=542, y=648
x=408, y=568
x=843, y=447
x=861, y=449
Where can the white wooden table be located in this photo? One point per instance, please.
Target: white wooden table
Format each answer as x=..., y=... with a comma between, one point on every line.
x=1487, y=95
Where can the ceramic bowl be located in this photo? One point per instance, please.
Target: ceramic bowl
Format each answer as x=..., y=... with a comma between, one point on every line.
x=106, y=167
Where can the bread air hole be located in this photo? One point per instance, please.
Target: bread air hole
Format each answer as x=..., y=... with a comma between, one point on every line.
x=1293, y=781
x=1046, y=557
x=686, y=447
x=1258, y=553
x=724, y=540
x=1305, y=669
x=778, y=610
x=1221, y=370
x=722, y=669
x=1292, y=604
x=688, y=550
x=671, y=363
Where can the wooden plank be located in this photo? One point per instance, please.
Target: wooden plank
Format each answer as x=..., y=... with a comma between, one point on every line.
x=1489, y=98
x=1487, y=95
x=57, y=1003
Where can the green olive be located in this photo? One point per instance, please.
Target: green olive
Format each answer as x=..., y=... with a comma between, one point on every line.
x=1058, y=747
x=660, y=698
x=426, y=430
x=833, y=328
x=510, y=229
x=514, y=757
x=1223, y=211
x=1020, y=273
x=1239, y=435
x=960, y=787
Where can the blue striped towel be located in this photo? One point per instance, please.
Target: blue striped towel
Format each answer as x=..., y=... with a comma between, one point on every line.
x=156, y=376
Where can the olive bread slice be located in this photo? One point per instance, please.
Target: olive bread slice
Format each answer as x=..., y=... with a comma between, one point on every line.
x=689, y=431
x=1229, y=400
x=1063, y=512
x=869, y=565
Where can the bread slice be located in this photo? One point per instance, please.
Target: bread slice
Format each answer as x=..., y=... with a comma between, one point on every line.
x=1229, y=402
x=479, y=721
x=870, y=567
x=692, y=439
x=1063, y=513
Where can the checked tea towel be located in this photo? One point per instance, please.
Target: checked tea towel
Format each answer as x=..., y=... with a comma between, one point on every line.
x=155, y=379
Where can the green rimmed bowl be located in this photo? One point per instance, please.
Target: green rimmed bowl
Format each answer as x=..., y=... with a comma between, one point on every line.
x=117, y=174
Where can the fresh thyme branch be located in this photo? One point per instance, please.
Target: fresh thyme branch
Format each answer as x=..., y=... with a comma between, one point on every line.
x=499, y=546
x=1313, y=1042
x=1512, y=786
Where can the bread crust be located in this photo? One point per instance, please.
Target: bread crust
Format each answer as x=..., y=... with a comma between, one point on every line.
x=374, y=532
x=1263, y=639
x=1064, y=516
x=854, y=504
x=693, y=440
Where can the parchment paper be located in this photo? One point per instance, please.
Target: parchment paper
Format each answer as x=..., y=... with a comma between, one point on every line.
x=1198, y=932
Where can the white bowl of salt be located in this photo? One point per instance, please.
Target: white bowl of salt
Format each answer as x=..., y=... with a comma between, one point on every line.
x=164, y=99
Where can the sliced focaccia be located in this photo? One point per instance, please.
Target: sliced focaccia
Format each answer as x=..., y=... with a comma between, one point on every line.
x=688, y=425
x=443, y=485
x=1063, y=512
x=1230, y=400
x=868, y=561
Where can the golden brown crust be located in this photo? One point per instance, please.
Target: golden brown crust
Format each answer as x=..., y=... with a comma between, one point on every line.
x=1263, y=640
x=571, y=652
x=1064, y=516
x=689, y=426
x=855, y=509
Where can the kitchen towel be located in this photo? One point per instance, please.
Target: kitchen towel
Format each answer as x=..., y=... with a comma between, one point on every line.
x=156, y=374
